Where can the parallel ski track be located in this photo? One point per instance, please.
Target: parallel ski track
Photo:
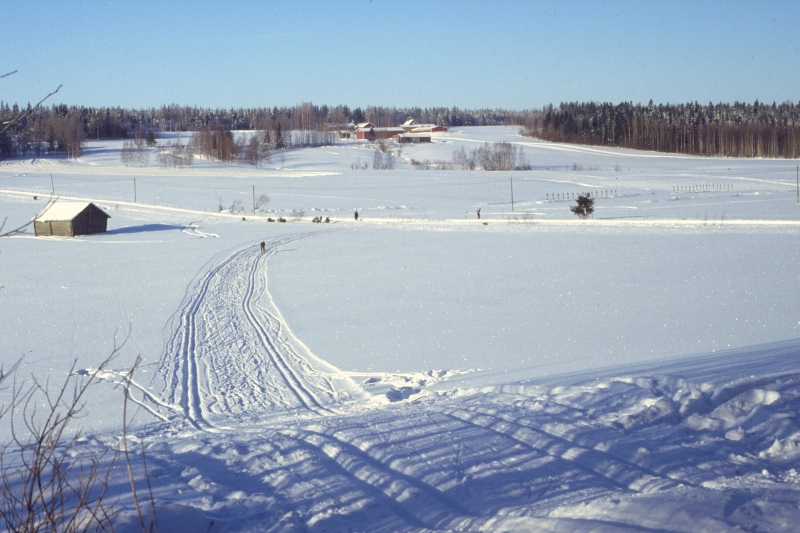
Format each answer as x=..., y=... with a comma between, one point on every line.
x=190, y=400
x=399, y=492
x=182, y=349
x=290, y=377
x=618, y=472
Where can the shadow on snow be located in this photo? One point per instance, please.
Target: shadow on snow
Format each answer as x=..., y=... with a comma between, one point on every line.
x=146, y=228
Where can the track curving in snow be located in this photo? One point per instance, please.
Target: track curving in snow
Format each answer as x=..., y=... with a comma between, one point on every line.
x=231, y=358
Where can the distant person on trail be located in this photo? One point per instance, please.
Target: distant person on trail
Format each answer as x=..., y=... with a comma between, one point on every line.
x=356, y=215
x=478, y=212
x=263, y=246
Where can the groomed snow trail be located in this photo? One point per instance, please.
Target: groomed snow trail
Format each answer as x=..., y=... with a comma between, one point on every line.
x=230, y=357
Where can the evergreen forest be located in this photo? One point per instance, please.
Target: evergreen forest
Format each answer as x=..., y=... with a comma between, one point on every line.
x=727, y=130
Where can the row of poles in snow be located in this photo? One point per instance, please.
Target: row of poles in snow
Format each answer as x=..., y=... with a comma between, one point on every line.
x=703, y=187
x=606, y=193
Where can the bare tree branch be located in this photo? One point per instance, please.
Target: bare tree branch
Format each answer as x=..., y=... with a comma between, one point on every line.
x=21, y=230
x=9, y=74
x=17, y=231
x=48, y=480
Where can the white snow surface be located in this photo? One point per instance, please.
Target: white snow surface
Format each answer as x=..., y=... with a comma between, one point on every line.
x=420, y=369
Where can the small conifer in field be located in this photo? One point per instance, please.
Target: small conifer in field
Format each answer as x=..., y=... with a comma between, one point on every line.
x=584, y=206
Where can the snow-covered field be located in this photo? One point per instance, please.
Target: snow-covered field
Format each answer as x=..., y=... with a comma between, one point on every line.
x=421, y=369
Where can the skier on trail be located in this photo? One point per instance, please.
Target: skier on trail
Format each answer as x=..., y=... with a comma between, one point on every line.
x=263, y=246
x=356, y=215
x=478, y=212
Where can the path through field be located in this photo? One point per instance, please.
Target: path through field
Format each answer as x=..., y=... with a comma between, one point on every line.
x=231, y=359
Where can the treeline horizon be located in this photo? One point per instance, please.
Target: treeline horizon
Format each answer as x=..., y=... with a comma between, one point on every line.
x=55, y=128
x=727, y=130
x=730, y=130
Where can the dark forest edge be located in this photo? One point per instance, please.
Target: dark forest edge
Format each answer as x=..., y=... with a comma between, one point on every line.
x=728, y=130
x=723, y=130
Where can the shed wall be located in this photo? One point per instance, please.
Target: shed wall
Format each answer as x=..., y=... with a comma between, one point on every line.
x=58, y=229
x=88, y=222
x=41, y=228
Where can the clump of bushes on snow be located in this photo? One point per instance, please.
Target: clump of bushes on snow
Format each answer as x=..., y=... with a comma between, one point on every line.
x=502, y=156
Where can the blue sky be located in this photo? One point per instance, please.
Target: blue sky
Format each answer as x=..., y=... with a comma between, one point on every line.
x=504, y=54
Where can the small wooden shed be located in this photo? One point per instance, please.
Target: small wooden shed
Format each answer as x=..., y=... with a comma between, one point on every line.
x=68, y=219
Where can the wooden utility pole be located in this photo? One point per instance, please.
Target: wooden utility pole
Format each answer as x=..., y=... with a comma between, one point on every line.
x=254, y=200
x=512, y=194
x=52, y=187
x=798, y=184
x=134, y=189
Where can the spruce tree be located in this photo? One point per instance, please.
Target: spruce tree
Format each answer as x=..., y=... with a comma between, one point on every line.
x=584, y=207
x=151, y=139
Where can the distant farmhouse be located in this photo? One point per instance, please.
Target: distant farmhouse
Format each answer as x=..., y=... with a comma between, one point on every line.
x=412, y=126
x=368, y=131
x=68, y=219
x=343, y=129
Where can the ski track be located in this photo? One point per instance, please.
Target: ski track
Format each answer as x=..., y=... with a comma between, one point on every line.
x=278, y=357
x=414, y=501
x=622, y=474
x=228, y=355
